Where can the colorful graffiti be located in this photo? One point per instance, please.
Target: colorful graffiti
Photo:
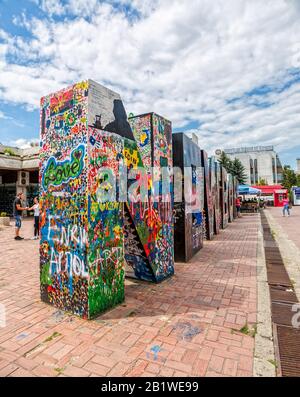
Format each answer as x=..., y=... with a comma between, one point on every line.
x=235, y=195
x=149, y=228
x=215, y=186
x=223, y=197
x=208, y=200
x=82, y=239
x=57, y=172
x=105, y=227
x=107, y=198
x=188, y=232
x=230, y=197
x=142, y=134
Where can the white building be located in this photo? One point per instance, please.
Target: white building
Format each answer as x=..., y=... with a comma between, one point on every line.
x=19, y=171
x=260, y=162
x=298, y=167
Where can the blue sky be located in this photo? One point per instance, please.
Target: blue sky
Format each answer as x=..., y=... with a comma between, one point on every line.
x=16, y=122
x=229, y=72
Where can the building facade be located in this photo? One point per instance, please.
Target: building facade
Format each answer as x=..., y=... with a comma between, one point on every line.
x=260, y=162
x=298, y=167
x=19, y=171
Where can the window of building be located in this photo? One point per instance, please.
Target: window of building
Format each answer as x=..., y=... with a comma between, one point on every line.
x=255, y=172
x=273, y=170
x=252, y=178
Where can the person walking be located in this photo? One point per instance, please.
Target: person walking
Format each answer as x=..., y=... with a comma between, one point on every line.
x=238, y=204
x=36, y=209
x=286, y=206
x=17, y=212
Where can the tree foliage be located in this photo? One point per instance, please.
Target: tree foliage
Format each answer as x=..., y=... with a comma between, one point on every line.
x=225, y=161
x=238, y=170
x=289, y=177
x=234, y=167
x=262, y=182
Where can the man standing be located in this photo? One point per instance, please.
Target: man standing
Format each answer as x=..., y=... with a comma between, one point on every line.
x=238, y=204
x=17, y=211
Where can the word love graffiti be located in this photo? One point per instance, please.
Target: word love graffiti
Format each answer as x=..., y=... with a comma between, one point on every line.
x=57, y=172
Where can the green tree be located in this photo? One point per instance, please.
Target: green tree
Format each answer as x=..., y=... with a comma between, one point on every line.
x=262, y=182
x=238, y=170
x=226, y=162
x=298, y=180
x=289, y=177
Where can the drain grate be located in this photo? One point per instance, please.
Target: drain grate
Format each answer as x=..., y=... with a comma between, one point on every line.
x=282, y=313
x=280, y=294
x=286, y=338
x=278, y=276
x=288, y=341
x=274, y=261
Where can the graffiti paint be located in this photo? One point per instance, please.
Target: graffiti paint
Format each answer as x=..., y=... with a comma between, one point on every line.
x=57, y=173
x=223, y=197
x=106, y=110
x=188, y=232
x=208, y=200
x=230, y=197
x=105, y=228
x=150, y=222
x=142, y=133
x=215, y=186
x=235, y=195
x=82, y=239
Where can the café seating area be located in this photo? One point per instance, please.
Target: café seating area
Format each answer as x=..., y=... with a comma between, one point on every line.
x=250, y=206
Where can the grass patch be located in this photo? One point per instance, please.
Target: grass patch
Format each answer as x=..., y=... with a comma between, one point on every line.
x=51, y=337
x=246, y=330
x=59, y=370
x=273, y=362
x=130, y=313
x=40, y=345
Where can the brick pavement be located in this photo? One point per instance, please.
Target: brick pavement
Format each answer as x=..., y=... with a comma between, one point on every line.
x=186, y=326
x=290, y=224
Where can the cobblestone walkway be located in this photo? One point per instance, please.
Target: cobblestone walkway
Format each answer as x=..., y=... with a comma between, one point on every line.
x=186, y=326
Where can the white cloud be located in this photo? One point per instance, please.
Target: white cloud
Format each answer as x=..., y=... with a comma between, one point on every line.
x=52, y=7
x=22, y=143
x=85, y=8
x=181, y=58
x=4, y=116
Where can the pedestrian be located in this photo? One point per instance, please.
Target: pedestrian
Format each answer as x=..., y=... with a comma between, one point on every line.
x=17, y=212
x=286, y=206
x=36, y=209
x=238, y=206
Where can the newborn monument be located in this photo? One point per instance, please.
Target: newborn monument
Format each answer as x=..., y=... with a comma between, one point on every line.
x=85, y=137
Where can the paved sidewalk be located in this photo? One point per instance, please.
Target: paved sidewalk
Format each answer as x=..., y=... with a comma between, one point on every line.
x=286, y=233
x=290, y=224
x=186, y=326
